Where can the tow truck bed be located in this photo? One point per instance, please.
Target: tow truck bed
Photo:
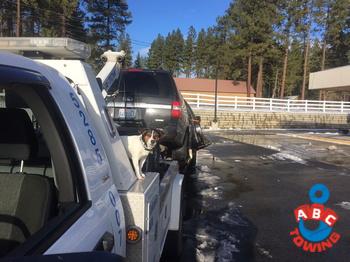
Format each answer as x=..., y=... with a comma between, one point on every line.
x=142, y=209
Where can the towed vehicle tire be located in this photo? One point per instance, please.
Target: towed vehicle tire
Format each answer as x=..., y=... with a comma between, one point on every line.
x=182, y=155
x=193, y=162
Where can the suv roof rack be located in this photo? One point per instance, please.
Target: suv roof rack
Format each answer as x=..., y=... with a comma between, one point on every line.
x=46, y=47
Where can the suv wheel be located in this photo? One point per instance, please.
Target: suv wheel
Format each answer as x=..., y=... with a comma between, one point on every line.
x=182, y=155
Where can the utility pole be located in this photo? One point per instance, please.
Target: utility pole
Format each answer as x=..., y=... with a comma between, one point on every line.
x=249, y=78
x=216, y=94
x=220, y=38
x=18, y=20
x=306, y=64
x=324, y=47
x=285, y=64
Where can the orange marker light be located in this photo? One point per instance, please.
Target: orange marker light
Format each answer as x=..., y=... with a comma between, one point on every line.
x=133, y=234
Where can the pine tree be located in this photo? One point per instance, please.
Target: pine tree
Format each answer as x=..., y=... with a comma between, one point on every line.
x=41, y=17
x=125, y=45
x=338, y=33
x=223, y=53
x=273, y=44
x=173, y=51
x=295, y=68
x=75, y=26
x=306, y=18
x=106, y=24
x=211, y=53
x=67, y=7
x=7, y=18
x=138, y=61
x=155, y=54
x=287, y=11
x=30, y=17
x=251, y=25
x=189, y=51
x=200, y=54
x=107, y=20
x=144, y=62
x=56, y=16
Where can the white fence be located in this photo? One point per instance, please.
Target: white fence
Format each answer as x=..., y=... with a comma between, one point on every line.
x=236, y=103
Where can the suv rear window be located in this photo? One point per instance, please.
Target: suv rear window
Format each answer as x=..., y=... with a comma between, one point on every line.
x=145, y=84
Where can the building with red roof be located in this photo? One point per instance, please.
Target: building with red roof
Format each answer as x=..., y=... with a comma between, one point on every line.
x=207, y=86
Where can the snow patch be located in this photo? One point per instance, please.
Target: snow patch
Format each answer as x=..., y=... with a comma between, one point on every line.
x=232, y=218
x=325, y=133
x=273, y=148
x=205, y=256
x=225, y=251
x=206, y=154
x=264, y=252
x=345, y=205
x=342, y=174
x=229, y=142
x=211, y=193
x=286, y=156
x=332, y=147
x=204, y=169
x=207, y=178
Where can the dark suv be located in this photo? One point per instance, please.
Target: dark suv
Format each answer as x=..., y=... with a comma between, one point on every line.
x=149, y=99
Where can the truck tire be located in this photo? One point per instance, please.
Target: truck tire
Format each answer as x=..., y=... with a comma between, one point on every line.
x=174, y=243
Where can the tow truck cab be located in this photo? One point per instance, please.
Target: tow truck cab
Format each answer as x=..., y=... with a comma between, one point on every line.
x=66, y=183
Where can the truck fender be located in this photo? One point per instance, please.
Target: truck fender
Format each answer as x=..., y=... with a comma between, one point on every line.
x=176, y=199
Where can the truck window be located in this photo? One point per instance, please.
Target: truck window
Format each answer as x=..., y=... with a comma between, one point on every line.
x=38, y=191
x=139, y=85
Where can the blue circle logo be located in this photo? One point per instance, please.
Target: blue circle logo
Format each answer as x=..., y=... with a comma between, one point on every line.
x=322, y=237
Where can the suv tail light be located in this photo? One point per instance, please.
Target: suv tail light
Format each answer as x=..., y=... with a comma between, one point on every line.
x=176, y=110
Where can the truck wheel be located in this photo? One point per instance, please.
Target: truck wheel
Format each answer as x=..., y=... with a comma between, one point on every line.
x=174, y=243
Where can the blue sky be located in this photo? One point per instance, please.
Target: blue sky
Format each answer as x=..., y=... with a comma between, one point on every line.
x=151, y=17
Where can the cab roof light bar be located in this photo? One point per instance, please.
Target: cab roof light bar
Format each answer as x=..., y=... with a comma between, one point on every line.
x=54, y=47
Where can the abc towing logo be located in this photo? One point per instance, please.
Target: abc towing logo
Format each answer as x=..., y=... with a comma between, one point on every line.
x=321, y=238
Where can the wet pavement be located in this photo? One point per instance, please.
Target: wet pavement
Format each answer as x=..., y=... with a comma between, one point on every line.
x=242, y=198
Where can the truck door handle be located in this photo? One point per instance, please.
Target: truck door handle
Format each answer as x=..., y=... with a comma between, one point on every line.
x=106, y=242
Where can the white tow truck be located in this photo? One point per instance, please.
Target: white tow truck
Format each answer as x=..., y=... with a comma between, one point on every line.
x=66, y=183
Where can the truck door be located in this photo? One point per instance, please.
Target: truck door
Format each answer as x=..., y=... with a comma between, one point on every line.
x=56, y=191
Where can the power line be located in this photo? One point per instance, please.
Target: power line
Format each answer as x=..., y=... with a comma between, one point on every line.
x=68, y=21
x=135, y=43
x=43, y=9
x=142, y=42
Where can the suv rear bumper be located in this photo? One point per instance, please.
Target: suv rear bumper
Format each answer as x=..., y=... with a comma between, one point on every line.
x=172, y=138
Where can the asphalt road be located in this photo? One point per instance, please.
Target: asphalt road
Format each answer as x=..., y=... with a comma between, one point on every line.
x=242, y=198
